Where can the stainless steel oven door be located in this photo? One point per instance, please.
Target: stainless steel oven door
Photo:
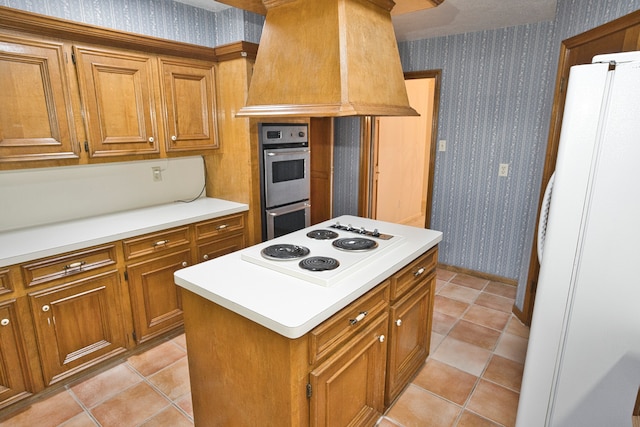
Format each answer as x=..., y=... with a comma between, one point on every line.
x=286, y=219
x=287, y=173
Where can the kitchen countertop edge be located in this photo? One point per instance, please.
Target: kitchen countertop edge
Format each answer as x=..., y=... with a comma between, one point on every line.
x=28, y=244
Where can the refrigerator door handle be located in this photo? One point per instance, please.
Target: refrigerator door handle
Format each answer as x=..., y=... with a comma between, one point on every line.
x=544, y=217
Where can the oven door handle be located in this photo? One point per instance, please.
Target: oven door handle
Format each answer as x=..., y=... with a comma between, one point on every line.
x=285, y=153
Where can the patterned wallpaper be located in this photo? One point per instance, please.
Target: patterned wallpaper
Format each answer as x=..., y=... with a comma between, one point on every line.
x=496, y=95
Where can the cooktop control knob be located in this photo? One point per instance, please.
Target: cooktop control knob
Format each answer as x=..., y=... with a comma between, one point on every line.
x=301, y=134
x=362, y=230
x=375, y=233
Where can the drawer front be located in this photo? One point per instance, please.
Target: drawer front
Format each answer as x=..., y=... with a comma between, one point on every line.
x=413, y=273
x=156, y=243
x=219, y=247
x=333, y=333
x=219, y=226
x=6, y=284
x=58, y=267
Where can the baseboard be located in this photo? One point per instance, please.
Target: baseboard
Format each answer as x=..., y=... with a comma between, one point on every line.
x=492, y=277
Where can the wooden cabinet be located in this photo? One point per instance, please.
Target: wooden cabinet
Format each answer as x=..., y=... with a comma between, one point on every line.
x=126, y=101
x=37, y=117
x=344, y=372
x=78, y=324
x=220, y=236
x=189, y=104
x=411, y=313
x=15, y=379
x=118, y=101
x=348, y=387
x=156, y=302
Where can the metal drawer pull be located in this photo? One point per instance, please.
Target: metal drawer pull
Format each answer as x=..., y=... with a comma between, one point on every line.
x=358, y=318
x=78, y=264
x=419, y=272
x=161, y=242
x=4, y=322
x=45, y=308
x=222, y=227
x=381, y=338
x=398, y=322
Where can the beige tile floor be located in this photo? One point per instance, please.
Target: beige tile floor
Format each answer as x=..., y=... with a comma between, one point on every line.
x=471, y=378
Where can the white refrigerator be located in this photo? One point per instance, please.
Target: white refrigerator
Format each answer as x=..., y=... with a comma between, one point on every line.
x=583, y=361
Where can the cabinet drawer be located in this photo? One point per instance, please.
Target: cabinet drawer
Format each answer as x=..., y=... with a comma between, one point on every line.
x=413, y=273
x=6, y=284
x=156, y=243
x=331, y=334
x=48, y=269
x=219, y=247
x=219, y=226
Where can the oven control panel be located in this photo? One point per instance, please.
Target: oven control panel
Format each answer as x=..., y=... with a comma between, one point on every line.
x=362, y=231
x=283, y=133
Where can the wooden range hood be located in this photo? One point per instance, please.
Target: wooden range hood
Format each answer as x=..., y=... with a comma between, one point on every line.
x=327, y=58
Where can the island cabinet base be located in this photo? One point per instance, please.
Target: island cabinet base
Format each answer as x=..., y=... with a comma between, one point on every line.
x=344, y=372
x=241, y=373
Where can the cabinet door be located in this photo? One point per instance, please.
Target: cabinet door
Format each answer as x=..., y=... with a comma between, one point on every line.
x=189, y=103
x=221, y=246
x=78, y=324
x=36, y=122
x=14, y=373
x=409, y=336
x=348, y=389
x=155, y=298
x=118, y=102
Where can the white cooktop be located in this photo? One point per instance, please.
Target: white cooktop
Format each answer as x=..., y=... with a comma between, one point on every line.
x=347, y=260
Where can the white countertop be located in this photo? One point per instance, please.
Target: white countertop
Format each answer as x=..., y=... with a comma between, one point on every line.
x=292, y=306
x=27, y=244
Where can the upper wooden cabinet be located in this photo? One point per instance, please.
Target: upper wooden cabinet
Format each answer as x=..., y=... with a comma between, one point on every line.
x=118, y=102
x=37, y=119
x=133, y=102
x=189, y=104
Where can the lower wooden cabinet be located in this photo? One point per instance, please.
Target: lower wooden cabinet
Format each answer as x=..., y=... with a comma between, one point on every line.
x=409, y=336
x=15, y=383
x=155, y=299
x=348, y=389
x=78, y=324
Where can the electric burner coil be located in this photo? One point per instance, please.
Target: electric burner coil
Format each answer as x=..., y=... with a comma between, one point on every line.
x=355, y=244
x=283, y=252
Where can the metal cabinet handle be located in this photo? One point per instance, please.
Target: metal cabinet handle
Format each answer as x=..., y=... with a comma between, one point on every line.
x=221, y=227
x=77, y=264
x=205, y=257
x=161, y=242
x=419, y=272
x=4, y=322
x=358, y=318
x=399, y=322
x=151, y=139
x=184, y=263
x=381, y=338
x=45, y=308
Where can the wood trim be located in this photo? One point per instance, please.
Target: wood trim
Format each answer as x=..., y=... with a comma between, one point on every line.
x=18, y=20
x=241, y=49
x=567, y=59
x=437, y=76
x=366, y=160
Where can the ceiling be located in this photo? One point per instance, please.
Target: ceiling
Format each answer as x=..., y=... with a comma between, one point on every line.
x=452, y=16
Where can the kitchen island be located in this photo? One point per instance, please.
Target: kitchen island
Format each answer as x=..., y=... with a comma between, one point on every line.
x=269, y=347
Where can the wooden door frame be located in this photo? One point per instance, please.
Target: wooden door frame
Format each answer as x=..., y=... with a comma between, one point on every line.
x=568, y=58
x=367, y=133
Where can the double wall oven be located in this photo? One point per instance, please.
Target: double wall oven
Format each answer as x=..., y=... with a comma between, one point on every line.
x=285, y=184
